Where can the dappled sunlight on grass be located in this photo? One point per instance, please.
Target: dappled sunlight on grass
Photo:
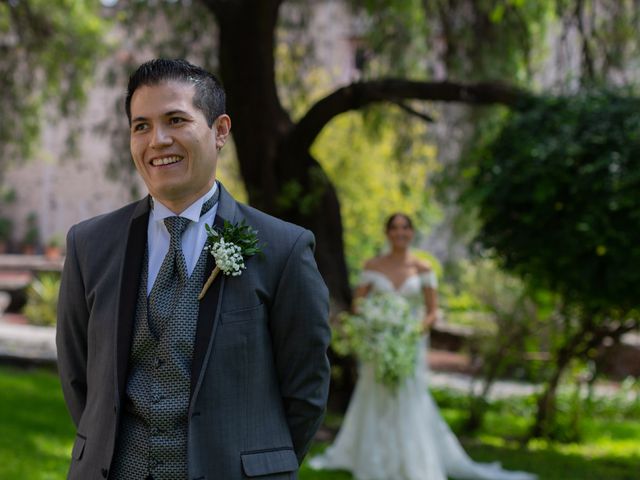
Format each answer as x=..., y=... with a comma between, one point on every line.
x=37, y=432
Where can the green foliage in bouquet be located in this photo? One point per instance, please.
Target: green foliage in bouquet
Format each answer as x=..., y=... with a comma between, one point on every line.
x=384, y=333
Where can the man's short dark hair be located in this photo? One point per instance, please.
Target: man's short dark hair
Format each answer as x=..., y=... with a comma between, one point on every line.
x=209, y=97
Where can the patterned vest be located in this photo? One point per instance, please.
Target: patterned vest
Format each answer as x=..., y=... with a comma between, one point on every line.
x=152, y=442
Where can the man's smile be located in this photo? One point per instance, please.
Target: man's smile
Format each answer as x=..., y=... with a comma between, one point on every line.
x=166, y=160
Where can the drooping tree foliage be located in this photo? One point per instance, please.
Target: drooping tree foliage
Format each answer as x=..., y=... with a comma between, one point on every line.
x=556, y=195
x=48, y=54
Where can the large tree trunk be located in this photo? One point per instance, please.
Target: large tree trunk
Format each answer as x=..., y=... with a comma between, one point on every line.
x=281, y=179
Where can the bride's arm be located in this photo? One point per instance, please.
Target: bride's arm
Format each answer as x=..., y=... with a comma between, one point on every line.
x=429, y=284
x=364, y=285
x=431, y=304
x=361, y=291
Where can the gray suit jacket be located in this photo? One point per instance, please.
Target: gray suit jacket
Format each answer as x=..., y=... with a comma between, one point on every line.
x=260, y=373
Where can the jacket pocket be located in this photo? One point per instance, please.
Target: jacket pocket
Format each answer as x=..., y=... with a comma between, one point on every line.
x=267, y=462
x=78, y=447
x=243, y=314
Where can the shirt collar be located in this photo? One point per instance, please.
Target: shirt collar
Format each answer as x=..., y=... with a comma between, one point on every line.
x=159, y=211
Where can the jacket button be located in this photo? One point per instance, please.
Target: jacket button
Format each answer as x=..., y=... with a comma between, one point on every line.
x=105, y=472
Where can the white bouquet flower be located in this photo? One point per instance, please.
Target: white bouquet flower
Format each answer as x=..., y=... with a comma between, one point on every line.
x=384, y=333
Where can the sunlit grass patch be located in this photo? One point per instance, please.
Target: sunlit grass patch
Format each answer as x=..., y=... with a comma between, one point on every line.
x=37, y=432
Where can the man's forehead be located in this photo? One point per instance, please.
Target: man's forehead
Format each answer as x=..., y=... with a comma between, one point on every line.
x=163, y=97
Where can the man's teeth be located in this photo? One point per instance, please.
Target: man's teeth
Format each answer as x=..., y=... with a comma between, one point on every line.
x=156, y=162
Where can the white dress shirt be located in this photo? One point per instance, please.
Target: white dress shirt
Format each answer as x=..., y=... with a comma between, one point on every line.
x=193, y=238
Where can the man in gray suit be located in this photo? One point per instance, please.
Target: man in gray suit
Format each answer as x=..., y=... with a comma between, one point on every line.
x=162, y=385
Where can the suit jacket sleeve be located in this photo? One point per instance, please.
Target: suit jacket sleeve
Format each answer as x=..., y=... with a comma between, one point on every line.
x=71, y=333
x=299, y=323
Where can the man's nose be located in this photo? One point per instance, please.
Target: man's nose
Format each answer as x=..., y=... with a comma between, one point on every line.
x=160, y=138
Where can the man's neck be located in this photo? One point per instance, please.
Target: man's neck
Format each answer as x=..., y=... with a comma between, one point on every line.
x=179, y=205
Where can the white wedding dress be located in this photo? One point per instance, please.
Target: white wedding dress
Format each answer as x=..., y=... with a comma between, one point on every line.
x=401, y=435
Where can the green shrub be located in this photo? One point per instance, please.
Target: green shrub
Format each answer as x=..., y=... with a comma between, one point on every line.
x=5, y=229
x=32, y=235
x=42, y=299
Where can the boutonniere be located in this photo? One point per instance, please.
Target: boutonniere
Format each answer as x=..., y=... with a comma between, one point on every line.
x=229, y=248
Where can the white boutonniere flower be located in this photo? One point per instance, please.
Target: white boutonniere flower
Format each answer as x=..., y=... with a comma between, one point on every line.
x=229, y=249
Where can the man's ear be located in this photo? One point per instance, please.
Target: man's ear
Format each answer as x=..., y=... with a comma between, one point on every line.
x=222, y=126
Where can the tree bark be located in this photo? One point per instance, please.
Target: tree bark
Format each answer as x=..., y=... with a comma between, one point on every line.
x=545, y=414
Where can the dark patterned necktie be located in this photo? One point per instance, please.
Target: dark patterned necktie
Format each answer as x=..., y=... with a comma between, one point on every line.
x=173, y=273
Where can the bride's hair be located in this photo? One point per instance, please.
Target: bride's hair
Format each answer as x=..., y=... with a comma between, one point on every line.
x=393, y=216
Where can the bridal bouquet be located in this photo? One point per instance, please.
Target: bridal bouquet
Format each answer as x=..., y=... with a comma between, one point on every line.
x=384, y=333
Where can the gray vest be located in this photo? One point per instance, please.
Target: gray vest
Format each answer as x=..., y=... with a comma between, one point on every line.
x=152, y=441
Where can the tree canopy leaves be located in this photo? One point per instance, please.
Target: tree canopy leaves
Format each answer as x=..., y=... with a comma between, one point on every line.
x=49, y=50
x=556, y=192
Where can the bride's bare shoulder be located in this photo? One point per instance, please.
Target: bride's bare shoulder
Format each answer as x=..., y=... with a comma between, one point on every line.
x=422, y=265
x=373, y=263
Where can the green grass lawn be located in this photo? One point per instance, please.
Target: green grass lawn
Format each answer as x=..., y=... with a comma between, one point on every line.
x=36, y=436
x=36, y=433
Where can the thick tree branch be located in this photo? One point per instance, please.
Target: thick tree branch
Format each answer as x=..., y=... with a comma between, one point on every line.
x=414, y=112
x=224, y=7
x=587, y=56
x=615, y=332
x=360, y=94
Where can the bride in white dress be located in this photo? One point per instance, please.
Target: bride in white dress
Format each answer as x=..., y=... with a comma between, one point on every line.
x=400, y=435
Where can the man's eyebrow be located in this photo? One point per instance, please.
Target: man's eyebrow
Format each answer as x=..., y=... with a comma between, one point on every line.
x=176, y=112
x=167, y=114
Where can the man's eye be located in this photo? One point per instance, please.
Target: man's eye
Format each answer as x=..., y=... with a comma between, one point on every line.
x=176, y=120
x=139, y=127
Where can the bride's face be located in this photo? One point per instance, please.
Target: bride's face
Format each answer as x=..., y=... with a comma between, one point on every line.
x=400, y=234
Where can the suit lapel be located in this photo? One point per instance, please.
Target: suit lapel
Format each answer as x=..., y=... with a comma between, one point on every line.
x=209, y=310
x=206, y=319
x=129, y=287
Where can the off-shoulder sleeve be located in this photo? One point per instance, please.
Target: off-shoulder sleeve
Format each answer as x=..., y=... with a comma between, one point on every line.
x=429, y=279
x=367, y=277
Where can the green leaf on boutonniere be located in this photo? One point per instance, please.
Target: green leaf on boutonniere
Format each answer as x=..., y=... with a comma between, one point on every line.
x=229, y=247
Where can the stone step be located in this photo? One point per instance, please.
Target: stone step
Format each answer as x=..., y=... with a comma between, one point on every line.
x=27, y=343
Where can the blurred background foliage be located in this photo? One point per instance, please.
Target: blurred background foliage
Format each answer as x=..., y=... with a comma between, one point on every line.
x=42, y=299
x=555, y=193
x=555, y=196
x=49, y=50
